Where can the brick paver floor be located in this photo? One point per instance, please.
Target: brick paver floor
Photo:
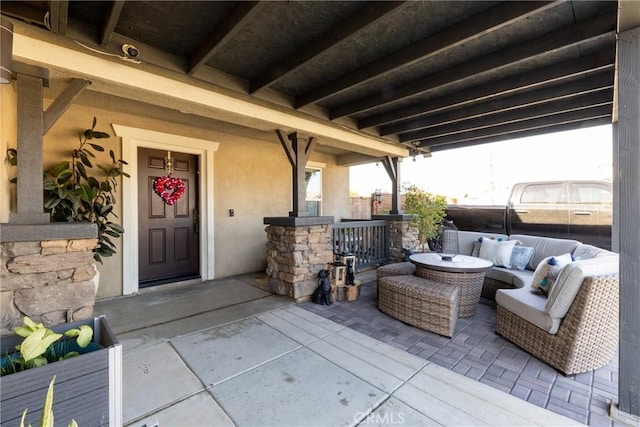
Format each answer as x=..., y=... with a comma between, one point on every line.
x=476, y=351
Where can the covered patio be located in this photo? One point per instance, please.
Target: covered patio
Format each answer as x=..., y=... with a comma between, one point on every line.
x=263, y=95
x=229, y=346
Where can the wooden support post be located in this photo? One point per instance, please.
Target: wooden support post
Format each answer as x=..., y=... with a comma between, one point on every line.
x=29, y=147
x=627, y=138
x=298, y=154
x=392, y=166
x=32, y=125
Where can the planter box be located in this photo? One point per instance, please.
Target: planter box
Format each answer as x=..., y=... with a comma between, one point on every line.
x=88, y=387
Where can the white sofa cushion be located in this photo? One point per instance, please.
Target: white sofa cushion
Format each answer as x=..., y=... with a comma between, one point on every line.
x=545, y=247
x=497, y=251
x=529, y=305
x=466, y=239
x=588, y=252
x=570, y=279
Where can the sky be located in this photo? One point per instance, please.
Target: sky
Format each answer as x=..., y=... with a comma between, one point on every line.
x=484, y=174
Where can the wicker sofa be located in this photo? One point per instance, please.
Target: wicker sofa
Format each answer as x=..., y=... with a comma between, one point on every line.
x=575, y=328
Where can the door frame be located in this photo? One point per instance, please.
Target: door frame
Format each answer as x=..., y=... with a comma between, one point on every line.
x=132, y=138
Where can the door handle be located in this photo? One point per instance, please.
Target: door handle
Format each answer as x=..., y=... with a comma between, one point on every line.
x=582, y=213
x=196, y=222
x=521, y=211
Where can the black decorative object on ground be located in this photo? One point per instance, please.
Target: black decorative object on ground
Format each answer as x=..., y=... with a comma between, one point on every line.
x=322, y=294
x=350, y=274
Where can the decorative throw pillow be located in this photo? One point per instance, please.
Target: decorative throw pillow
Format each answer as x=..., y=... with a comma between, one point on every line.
x=547, y=272
x=497, y=251
x=520, y=257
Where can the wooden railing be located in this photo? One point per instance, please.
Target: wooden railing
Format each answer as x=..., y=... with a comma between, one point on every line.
x=367, y=240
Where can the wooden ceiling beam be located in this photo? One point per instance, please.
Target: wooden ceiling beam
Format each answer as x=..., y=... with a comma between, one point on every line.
x=594, y=63
x=110, y=21
x=356, y=23
x=498, y=105
x=586, y=100
x=598, y=27
x=224, y=32
x=59, y=16
x=563, y=127
x=508, y=129
x=494, y=19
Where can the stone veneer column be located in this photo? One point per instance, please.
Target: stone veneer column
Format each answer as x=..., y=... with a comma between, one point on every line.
x=297, y=248
x=402, y=235
x=51, y=281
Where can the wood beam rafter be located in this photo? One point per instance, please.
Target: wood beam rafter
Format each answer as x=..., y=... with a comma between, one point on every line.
x=110, y=21
x=358, y=22
x=459, y=118
x=463, y=32
x=589, y=100
x=59, y=16
x=602, y=26
x=563, y=127
x=224, y=31
x=509, y=129
x=594, y=63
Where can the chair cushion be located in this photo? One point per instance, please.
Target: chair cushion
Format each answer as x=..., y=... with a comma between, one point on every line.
x=544, y=247
x=570, y=279
x=529, y=305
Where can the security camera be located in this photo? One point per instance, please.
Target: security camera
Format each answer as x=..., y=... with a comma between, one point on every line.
x=130, y=50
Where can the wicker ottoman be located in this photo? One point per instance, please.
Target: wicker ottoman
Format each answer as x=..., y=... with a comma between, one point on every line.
x=396, y=269
x=420, y=302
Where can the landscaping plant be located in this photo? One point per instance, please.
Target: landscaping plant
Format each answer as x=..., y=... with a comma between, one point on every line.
x=73, y=193
x=428, y=212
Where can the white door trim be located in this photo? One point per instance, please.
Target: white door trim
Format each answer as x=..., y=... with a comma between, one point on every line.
x=132, y=138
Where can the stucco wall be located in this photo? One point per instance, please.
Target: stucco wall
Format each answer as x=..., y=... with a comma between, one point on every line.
x=251, y=176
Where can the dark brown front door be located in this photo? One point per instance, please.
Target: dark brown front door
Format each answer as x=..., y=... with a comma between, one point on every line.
x=168, y=238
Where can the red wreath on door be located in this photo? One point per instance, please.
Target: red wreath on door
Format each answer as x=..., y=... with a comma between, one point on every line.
x=169, y=188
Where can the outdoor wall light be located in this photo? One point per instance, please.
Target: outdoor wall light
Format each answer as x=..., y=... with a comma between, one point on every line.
x=378, y=195
x=6, y=50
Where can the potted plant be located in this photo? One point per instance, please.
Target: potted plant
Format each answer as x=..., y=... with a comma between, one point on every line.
x=74, y=192
x=88, y=385
x=428, y=212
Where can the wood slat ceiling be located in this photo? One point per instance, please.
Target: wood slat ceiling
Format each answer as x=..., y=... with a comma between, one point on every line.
x=430, y=75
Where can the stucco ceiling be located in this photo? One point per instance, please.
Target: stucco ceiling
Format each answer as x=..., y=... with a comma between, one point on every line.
x=430, y=75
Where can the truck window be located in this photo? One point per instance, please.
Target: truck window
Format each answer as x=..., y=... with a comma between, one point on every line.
x=593, y=194
x=542, y=193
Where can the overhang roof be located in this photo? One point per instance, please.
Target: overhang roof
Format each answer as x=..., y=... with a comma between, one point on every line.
x=427, y=75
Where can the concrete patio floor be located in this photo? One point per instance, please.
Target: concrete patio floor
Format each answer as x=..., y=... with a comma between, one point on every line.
x=227, y=353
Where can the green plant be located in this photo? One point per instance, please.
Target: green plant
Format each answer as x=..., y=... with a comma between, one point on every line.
x=428, y=212
x=72, y=193
x=38, y=347
x=46, y=420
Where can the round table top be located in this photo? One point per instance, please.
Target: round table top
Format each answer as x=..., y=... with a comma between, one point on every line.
x=459, y=264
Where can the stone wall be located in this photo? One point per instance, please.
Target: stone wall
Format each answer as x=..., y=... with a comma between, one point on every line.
x=402, y=235
x=51, y=281
x=295, y=254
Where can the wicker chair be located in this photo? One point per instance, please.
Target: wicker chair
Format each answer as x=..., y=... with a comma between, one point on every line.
x=588, y=335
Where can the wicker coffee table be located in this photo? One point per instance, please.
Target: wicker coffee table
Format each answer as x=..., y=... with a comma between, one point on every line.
x=467, y=272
